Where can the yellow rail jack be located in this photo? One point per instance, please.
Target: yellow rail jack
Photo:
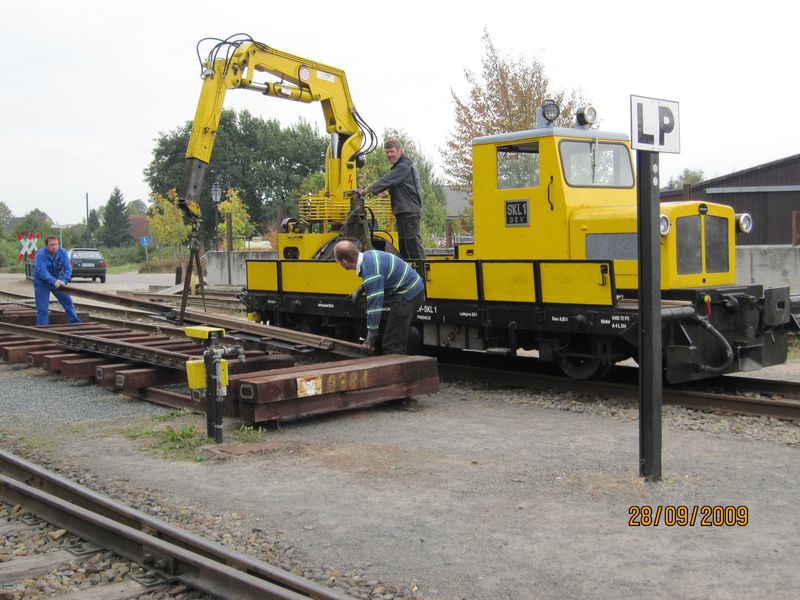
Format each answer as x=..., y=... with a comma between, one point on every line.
x=211, y=373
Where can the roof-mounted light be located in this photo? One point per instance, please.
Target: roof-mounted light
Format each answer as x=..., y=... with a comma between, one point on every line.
x=664, y=225
x=586, y=116
x=744, y=223
x=550, y=110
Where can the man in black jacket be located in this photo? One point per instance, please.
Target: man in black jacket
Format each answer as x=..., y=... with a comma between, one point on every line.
x=405, y=190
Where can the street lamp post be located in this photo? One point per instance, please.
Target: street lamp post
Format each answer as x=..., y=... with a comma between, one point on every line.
x=216, y=195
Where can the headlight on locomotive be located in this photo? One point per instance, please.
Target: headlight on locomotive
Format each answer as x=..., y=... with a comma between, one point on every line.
x=586, y=116
x=744, y=223
x=550, y=110
x=664, y=225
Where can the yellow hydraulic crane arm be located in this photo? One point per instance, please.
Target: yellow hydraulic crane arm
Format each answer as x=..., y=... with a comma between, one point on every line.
x=301, y=80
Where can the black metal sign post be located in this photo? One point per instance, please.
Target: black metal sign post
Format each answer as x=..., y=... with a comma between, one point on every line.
x=649, y=316
x=654, y=129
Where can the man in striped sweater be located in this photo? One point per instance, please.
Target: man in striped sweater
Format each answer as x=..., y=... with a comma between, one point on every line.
x=384, y=277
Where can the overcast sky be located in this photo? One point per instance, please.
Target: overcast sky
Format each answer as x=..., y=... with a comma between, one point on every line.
x=89, y=85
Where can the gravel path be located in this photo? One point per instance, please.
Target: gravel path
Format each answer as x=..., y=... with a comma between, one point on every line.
x=480, y=493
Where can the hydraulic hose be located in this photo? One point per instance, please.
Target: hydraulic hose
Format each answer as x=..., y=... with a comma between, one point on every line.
x=704, y=323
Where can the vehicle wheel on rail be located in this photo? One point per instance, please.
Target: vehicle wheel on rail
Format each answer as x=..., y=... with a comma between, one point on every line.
x=584, y=368
x=414, y=340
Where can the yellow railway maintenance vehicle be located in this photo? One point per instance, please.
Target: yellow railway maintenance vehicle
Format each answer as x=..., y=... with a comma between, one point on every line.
x=553, y=264
x=239, y=62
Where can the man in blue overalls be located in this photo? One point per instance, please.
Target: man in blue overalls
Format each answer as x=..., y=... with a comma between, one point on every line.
x=51, y=273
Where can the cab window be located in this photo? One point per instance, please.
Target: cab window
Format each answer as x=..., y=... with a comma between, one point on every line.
x=592, y=163
x=518, y=166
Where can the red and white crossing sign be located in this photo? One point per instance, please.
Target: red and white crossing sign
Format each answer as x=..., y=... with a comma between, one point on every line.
x=27, y=244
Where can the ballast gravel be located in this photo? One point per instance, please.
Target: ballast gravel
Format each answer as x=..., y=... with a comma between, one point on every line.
x=476, y=493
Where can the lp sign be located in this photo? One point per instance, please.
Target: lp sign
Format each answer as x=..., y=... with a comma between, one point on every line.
x=655, y=125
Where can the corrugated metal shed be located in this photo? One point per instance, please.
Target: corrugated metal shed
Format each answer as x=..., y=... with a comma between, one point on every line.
x=769, y=192
x=457, y=201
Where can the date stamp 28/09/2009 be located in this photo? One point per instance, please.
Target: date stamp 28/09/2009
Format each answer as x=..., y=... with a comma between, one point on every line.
x=688, y=516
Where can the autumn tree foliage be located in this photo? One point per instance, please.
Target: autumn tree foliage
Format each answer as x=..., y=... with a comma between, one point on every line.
x=165, y=220
x=241, y=225
x=502, y=98
x=690, y=176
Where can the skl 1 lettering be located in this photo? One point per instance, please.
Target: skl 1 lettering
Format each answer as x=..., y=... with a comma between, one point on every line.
x=516, y=212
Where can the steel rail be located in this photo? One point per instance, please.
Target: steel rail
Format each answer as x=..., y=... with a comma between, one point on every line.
x=149, y=327
x=137, y=311
x=99, y=345
x=214, y=297
x=744, y=383
x=174, y=553
x=128, y=317
x=266, y=333
x=781, y=408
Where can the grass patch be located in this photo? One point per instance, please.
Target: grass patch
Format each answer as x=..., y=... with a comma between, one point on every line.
x=179, y=442
x=185, y=435
x=124, y=268
x=247, y=434
x=173, y=414
x=141, y=434
x=30, y=441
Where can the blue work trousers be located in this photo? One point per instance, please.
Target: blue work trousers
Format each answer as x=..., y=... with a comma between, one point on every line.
x=42, y=294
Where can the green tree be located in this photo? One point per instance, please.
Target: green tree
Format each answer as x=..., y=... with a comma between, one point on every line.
x=503, y=98
x=136, y=207
x=464, y=223
x=312, y=183
x=114, y=231
x=690, y=176
x=434, y=210
x=92, y=228
x=36, y=221
x=9, y=251
x=241, y=226
x=5, y=216
x=165, y=221
x=265, y=162
x=77, y=236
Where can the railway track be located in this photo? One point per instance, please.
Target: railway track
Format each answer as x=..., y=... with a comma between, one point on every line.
x=219, y=301
x=165, y=554
x=727, y=394
x=237, y=329
x=265, y=386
